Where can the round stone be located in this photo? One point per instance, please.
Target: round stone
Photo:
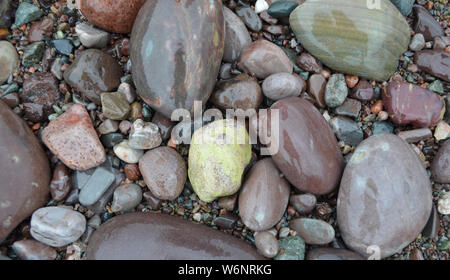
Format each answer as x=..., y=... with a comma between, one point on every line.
x=9, y=60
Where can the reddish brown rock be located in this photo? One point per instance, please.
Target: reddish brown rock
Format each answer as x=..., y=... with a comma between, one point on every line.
x=282, y=85
x=309, y=63
x=332, y=254
x=165, y=125
x=308, y=153
x=33, y=250
x=362, y=91
x=440, y=167
x=236, y=36
x=24, y=172
x=12, y=99
x=425, y=23
x=434, y=62
x=61, y=183
x=410, y=104
x=316, y=88
x=158, y=236
x=73, y=139
x=112, y=15
x=132, y=171
x=39, y=29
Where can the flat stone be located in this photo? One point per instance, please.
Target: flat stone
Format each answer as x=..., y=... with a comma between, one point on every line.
x=415, y=135
x=347, y=130
x=291, y=248
x=31, y=250
x=9, y=61
x=267, y=244
x=281, y=9
x=126, y=153
x=316, y=88
x=26, y=13
x=91, y=37
x=303, y=203
x=96, y=186
x=40, y=29
x=336, y=90
x=250, y=18
x=236, y=36
x=313, y=231
x=440, y=166
x=332, y=254
x=362, y=91
x=281, y=85
x=115, y=105
x=382, y=127
x=226, y=221
x=126, y=198
x=63, y=46
x=434, y=62
x=144, y=135
x=350, y=108
x=425, y=23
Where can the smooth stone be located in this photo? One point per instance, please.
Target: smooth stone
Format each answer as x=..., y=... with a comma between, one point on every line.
x=440, y=42
x=236, y=36
x=415, y=135
x=309, y=63
x=281, y=9
x=261, y=6
x=115, y=105
x=225, y=71
x=411, y=104
x=108, y=126
x=138, y=236
x=63, y=46
x=241, y=92
x=336, y=90
x=382, y=127
x=9, y=61
x=92, y=73
x=440, y=166
x=263, y=58
x=7, y=12
x=332, y=254
x=442, y=131
x=164, y=124
x=40, y=29
x=12, y=100
x=303, y=203
x=26, y=13
x=350, y=38
x=57, y=226
x=56, y=68
x=267, y=244
x=115, y=16
x=313, y=231
x=434, y=62
x=314, y=170
x=316, y=88
x=96, y=186
x=404, y=6
x=444, y=204
x=291, y=248
x=32, y=54
x=91, y=37
x=425, y=23
x=111, y=139
x=33, y=250
x=144, y=135
x=417, y=42
x=350, y=108
x=167, y=77
x=126, y=198
x=25, y=172
x=363, y=91
x=226, y=221
x=250, y=18
x=155, y=203
x=127, y=90
x=264, y=196
x=61, y=183
x=126, y=153
x=347, y=130
x=164, y=172
x=228, y=202
x=431, y=229
x=368, y=213
x=73, y=139
x=282, y=85
x=218, y=155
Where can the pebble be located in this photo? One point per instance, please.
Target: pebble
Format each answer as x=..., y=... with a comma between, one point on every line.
x=63, y=46
x=313, y=231
x=440, y=42
x=108, y=126
x=226, y=221
x=40, y=29
x=61, y=183
x=437, y=87
x=9, y=61
x=32, y=54
x=95, y=221
x=363, y=91
x=164, y=172
x=236, y=36
x=415, y=135
x=332, y=254
x=316, y=88
x=309, y=63
x=382, y=127
x=336, y=90
x=57, y=226
x=281, y=85
x=303, y=203
x=164, y=124
x=56, y=68
x=440, y=166
x=444, y=204
x=155, y=203
x=26, y=13
x=7, y=11
x=32, y=250
x=425, y=23
x=126, y=198
x=432, y=228
x=434, y=62
x=132, y=171
x=126, y=153
x=267, y=244
x=129, y=92
x=228, y=202
x=96, y=186
x=91, y=37
x=282, y=9
x=115, y=105
x=442, y=131
x=291, y=248
x=111, y=139
x=125, y=126
x=350, y=108
x=417, y=42
x=404, y=6
x=144, y=136
x=73, y=139
x=250, y=18
x=347, y=130
x=261, y=6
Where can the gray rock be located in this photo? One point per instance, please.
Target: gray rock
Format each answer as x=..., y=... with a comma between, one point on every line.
x=9, y=61
x=313, y=231
x=347, y=130
x=382, y=127
x=336, y=90
x=56, y=68
x=144, y=135
x=26, y=13
x=250, y=18
x=236, y=36
x=63, y=46
x=32, y=54
x=111, y=139
x=291, y=248
x=417, y=42
x=127, y=90
x=91, y=37
x=108, y=126
x=281, y=85
x=350, y=108
x=96, y=186
x=303, y=203
x=95, y=221
x=126, y=198
x=415, y=135
x=126, y=153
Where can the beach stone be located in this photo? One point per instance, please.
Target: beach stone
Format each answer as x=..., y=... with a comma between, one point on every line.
x=368, y=213
x=228, y=202
x=336, y=90
x=444, y=204
x=31, y=250
x=92, y=73
x=32, y=54
x=96, y=186
x=111, y=139
x=442, y=131
x=126, y=198
x=281, y=85
x=303, y=203
x=431, y=229
x=108, y=126
x=236, y=36
x=20, y=192
x=57, y=226
x=313, y=231
x=91, y=37
x=138, y=236
x=153, y=202
x=166, y=77
x=440, y=42
x=404, y=6
x=126, y=153
x=440, y=166
x=332, y=254
x=115, y=105
x=350, y=108
x=6, y=13
x=267, y=244
x=26, y=13
x=226, y=221
x=281, y=9
x=425, y=23
x=40, y=29
x=127, y=90
x=63, y=46
x=263, y=58
x=264, y=196
x=144, y=135
x=417, y=42
x=291, y=248
x=164, y=124
x=250, y=18
x=347, y=130
x=164, y=172
x=415, y=135
x=382, y=127
x=309, y=63
x=363, y=91
x=434, y=62
x=61, y=183
x=9, y=60
x=316, y=88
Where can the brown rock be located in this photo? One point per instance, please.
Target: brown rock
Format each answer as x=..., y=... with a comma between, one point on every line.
x=362, y=91
x=33, y=250
x=440, y=167
x=416, y=255
x=228, y=202
x=12, y=99
x=434, y=62
x=316, y=88
x=313, y=231
x=303, y=203
x=309, y=63
x=332, y=254
x=165, y=125
x=39, y=29
x=415, y=135
x=431, y=229
x=236, y=36
x=61, y=183
x=281, y=85
x=267, y=244
x=132, y=171
x=425, y=23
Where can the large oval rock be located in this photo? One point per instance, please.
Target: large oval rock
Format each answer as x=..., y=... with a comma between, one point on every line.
x=385, y=196
x=156, y=236
x=24, y=172
x=173, y=68
x=236, y=36
x=353, y=37
x=308, y=153
x=264, y=196
x=218, y=155
x=440, y=167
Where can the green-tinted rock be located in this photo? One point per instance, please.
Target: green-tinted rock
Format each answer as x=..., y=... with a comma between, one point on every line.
x=32, y=54
x=382, y=127
x=404, y=6
x=353, y=37
x=291, y=248
x=115, y=105
x=218, y=155
x=437, y=87
x=444, y=245
x=26, y=13
x=336, y=91
x=281, y=9
x=111, y=139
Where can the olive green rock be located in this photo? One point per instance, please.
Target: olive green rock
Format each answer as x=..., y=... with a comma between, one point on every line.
x=357, y=37
x=115, y=105
x=218, y=155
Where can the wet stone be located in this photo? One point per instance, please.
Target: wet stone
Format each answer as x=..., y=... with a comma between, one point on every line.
x=281, y=9
x=291, y=248
x=267, y=244
x=111, y=139
x=40, y=29
x=164, y=124
x=61, y=183
x=144, y=136
x=236, y=36
x=126, y=153
x=9, y=61
x=316, y=88
x=434, y=62
x=415, y=135
x=129, y=92
x=33, y=250
x=126, y=198
x=350, y=108
x=91, y=37
x=132, y=171
x=96, y=186
x=382, y=127
x=155, y=203
x=226, y=221
x=440, y=167
x=309, y=63
x=363, y=91
x=336, y=90
x=115, y=106
x=303, y=203
x=347, y=130
x=282, y=85
x=425, y=23
x=63, y=46
x=6, y=13
x=250, y=18
x=26, y=13
x=33, y=53
x=313, y=231
x=332, y=254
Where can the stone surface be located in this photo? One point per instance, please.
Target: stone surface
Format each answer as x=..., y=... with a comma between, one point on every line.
x=316, y=88
x=138, y=236
x=444, y=204
x=91, y=37
x=73, y=139
x=434, y=62
x=332, y=254
x=115, y=105
x=108, y=126
x=417, y=42
x=347, y=130
x=291, y=248
x=431, y=229
x=250, y=18
x=264, y=196
x=382, y=127
x=370, y=213
x=32, y=250
x=350, y=108
x=404, y=6
x=61, y=182
x=111, y=139
x=164, y=124
x=164, y=172
x=9, y=60
x=96, y=186
x=32, y=54
x=303, y=203
x=267, y=244
x=144, y=135
x=440, y=167
x=415, y=135
x=126, y=198
x=227, y=202
x=336, y=90
x=281, y=9
x=281, y=85
x=425, y=23
x=40, y=29
x=63, y=46
x=442, y=131
x=363, y=91
x=25, y=191
x=126, y=153
x=6, y=13
x=236, y=36
x=313, y=231
x=26, y=13
x=169, y=77
x=309, y=63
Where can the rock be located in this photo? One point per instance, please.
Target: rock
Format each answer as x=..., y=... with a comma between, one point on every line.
x=32, y=250
x=164, y=124
x=347, y=130
x=6, y=13
x=425, y=23
x=111, y=139
x=56, y=68
x=341, y=34
x=316, y=88
x=309, y=63
x=96, y=186
x=12, y=100
x=336, y=90
x=126, y=198
x=25, y=191
x=32, y=54
x=108, y=126
x=416, y=255
x=117, y=16
x=127, y=90
x=263, y=58
x=363, y=91
x=291, y=248
x=332, y=254
x=431, y=229
x=132, y=171
x=442, y=131
x=57, y=226
x=313, y=231
x=282, y=85
x=63, y=46
x=250, y=18
x=267, y=244
x=368, y=213
x=154, y=203
x=195, y=62
x=144, y=136
x=404, y=6
x=264, y=196
x=91, y=37
x=261, y=6
x=242, y=92
x=350, y=108
x=114, y=105
x=9, y=60
x=40, y=29
x=417, y=42
x=434, y=62
x=126, y=153
x=61, y=183
x=26, y=13
x=164, y=172
x=415, y=135
x=437, y=87
x=92, y=73
x=314, y=170
x=444, y=204
x=226, y=221
x=440, y=166
x=218, y=154
x=382, y=127
x=138, y=236
x=411, y=104
x=282, y=9
x=236, y=36
x=303, y=203
x=228, y=202
x=125, y=126
x=440, y=42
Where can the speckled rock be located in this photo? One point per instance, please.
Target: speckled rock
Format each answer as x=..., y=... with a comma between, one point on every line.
x=313, y=231
x=291, y=248
x=440, y=167
x=281, y=85
x=144, y=135
x=33, y=250
x=9, y=60
x=332, y=254
x=61, y=182
x=126, y=198
x=336, y=90
x=236, y=36
x=434, y=62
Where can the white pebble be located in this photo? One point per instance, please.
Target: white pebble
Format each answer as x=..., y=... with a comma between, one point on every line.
x=444, y=204
x=126, y=153
x=261, y=6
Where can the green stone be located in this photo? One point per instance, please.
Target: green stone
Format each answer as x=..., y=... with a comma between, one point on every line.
x=115, y=105
x=436, y=86
x=404, y=6
x=336, y=90
x=291, y=248
x=382, y=127
x=32, y=54
x=281, y=9
x=27, y=13
x=444, y=245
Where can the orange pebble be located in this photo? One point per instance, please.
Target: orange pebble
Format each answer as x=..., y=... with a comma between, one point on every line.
x=171, y=144
x=325, y=73
x=3, y=33
x=377, y=107
x=351, y=81
x=36, y=126
x=447, y=49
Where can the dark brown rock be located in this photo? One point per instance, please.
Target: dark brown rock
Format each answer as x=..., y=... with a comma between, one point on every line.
x=39, y=29
x=434, y=62
x=316, y=88
x=24, y=172
x=226, y=221
x=440, y=167
x=61, y=183
x=132, y=171
x=165, y=125
x=362, y=91
x=309, y=63
x=158, y=236
x=425, y=24
x=12, y=99
x=332, y=254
